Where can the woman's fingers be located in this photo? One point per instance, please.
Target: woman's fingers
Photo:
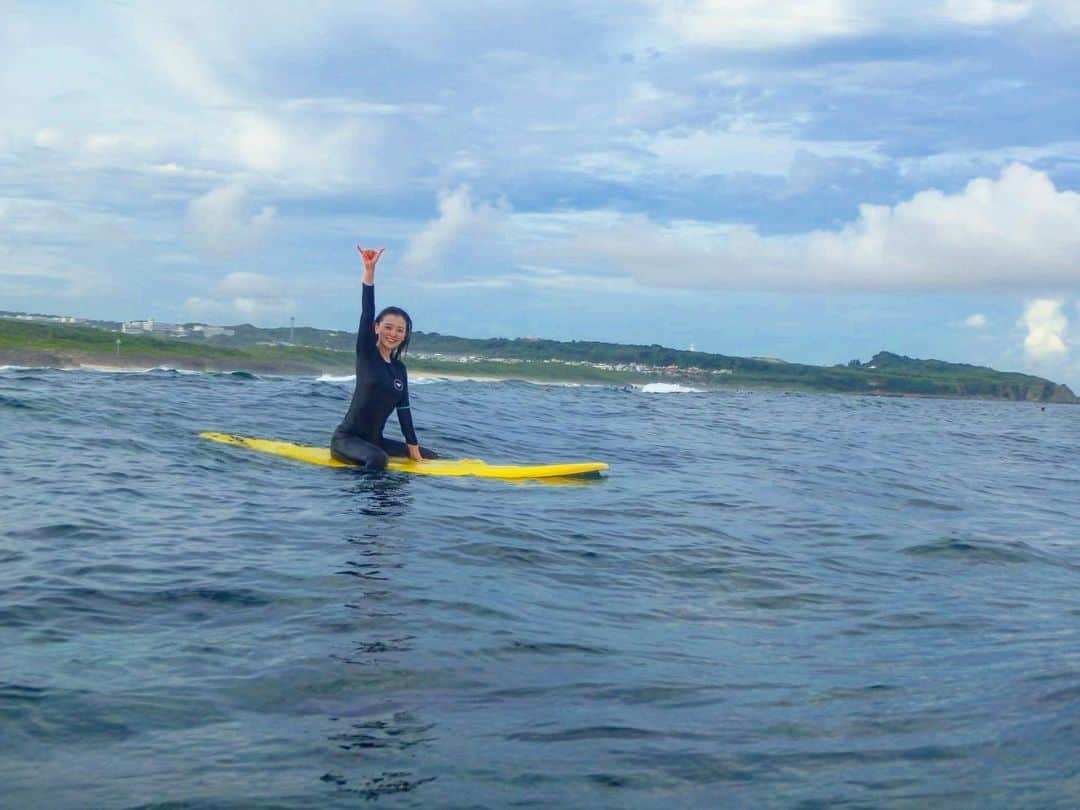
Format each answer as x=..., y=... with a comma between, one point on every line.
x=369, y=255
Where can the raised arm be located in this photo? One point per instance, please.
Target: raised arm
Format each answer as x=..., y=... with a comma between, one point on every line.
x=365, y=335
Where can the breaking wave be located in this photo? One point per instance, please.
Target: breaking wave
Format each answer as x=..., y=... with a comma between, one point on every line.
x=669, y=388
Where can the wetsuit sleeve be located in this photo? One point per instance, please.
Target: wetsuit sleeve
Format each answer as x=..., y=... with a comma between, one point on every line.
x=365, y=335
x=404, y=415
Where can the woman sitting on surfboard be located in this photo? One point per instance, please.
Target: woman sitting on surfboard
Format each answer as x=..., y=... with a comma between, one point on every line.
x=382, y=384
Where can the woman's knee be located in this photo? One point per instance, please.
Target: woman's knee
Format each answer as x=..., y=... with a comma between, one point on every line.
x=354, y=450
x=377, y=459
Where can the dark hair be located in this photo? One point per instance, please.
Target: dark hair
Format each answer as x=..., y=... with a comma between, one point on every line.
x=403, y=347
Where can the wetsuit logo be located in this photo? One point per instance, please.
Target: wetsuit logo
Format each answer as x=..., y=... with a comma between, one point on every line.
x=398, y=385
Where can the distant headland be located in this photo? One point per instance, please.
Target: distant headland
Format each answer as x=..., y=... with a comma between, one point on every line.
x=66, y=342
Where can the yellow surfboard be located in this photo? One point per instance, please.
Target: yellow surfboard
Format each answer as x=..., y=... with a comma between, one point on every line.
x=456, y=467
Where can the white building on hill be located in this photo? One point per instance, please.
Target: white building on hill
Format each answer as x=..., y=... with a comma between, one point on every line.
x=152, y=327
x=211, y=331
x=44, y=318
x=149, y=327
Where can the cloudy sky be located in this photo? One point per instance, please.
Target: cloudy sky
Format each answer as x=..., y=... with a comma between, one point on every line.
x=811, y=180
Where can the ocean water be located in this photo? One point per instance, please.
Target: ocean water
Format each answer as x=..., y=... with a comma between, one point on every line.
x=771, y=601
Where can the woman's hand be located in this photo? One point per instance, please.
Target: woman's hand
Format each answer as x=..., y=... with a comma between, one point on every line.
x=414, y=452
x=371, y=258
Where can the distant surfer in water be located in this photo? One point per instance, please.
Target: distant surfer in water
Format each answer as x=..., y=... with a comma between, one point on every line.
x=382, y=384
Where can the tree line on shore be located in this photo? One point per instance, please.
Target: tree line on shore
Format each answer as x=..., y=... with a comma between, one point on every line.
x=315, y=350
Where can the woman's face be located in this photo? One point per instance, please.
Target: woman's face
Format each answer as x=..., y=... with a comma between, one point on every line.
x=389, y=332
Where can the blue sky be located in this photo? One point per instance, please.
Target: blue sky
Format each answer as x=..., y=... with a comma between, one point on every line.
x=811, y=180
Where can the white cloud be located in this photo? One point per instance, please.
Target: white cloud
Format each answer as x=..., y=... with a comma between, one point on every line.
x=176, y=258
x=48, y=225
x=337, y=105
x=1064, y=12
x=249, y=296
x=987, y=12
x=743, y=147
x=1015, y=232
x=258, y=142
x=992, y=12
x=644, y=105
x=167, y=85
x=542, y=278
x=976, y=321
x=295, y=153
x=1046, y=326
x=251, y=285
x=125, y=149
x=751, y=24
x=173, y=50
x=460, y=230
x=223, y=222
x=48, y=138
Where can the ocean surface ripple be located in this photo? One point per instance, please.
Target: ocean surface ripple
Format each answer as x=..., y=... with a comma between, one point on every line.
x=771, y=601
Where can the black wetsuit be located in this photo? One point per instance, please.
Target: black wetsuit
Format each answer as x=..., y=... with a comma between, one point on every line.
x=381, y=387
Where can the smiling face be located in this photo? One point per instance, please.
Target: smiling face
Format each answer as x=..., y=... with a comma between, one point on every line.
x=390, y=331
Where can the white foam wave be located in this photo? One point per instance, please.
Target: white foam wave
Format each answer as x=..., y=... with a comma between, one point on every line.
x=669, y=388
x=104, y=369
x=47, y=368
x=423, y=378
x=451, y=378
x=431, y=379
x=414, y=379
x=129, y=370
x=98, y=369
x=186, y=371
x=110, y=369
x=557, y=384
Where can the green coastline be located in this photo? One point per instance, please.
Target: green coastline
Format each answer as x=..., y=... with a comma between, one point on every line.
x=24, y=343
